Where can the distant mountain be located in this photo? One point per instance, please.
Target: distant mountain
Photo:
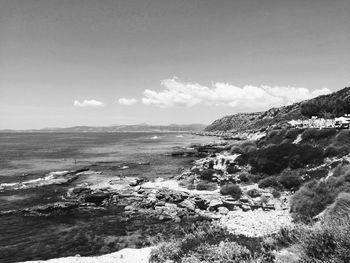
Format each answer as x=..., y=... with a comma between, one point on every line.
x=327, y=106
x=123, y=128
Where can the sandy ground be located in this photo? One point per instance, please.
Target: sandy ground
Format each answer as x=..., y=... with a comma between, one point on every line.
x=127, y=255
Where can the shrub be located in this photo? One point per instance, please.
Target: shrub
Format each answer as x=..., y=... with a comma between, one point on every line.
x=270, y=181
x=275, y=158
x=244, y=177
x=253, y=193
x=332, y=150
x=292, y=134
x=231, y=189
x=275, y=193
x=207, y=242
x=343, y=138
x=249, y=148
x=328, y=242
x=207, y=174
x=205, y=185
x=311, y=199
x=314, y=196
x=317, y=134
x=223, y=252
x=236, y=150
x=290, y=180
x=232, y=168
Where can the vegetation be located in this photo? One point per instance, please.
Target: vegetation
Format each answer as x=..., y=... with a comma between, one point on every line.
x=290, y=179
x=313, y=197
x=231, y=189
x=270, y=181
x=253, y=193
x=274, y=159
x=205, y=185
x=328, y=106
x=207, y=242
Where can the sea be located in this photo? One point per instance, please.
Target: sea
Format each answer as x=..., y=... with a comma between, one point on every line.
x=27, y=163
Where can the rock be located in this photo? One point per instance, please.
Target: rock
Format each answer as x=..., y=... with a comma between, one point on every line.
x=160, y=203
x=187, y=204
x=214, y=204
x=129, y=208
x=135, y=182
x=244, y=200
x=269, y=207
x=137, y=188
x=230, y=205
x=51, y=208
x=96, y=198
x=223, y=210
x=245, y=208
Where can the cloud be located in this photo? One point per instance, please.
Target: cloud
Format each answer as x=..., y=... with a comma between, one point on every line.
x=88, y=103
x=126, y=101
x=248, y=97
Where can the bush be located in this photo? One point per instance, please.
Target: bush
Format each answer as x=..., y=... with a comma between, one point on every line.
x=275, y=193
x=317, y=134
x=206, y=186
x=343, y=138
x=231, y=189
x=290, y=180
x=244, y=177
x=270, y=181
x=332, y=150
x=207, y=174
x=223, y=252
x=292, y=134
x=207, y=242
x=313, y=197
x=236, y=150
x=328, y=242
x=253, y=193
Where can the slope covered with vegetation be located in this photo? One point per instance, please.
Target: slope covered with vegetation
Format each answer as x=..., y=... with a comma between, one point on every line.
x=326, y=106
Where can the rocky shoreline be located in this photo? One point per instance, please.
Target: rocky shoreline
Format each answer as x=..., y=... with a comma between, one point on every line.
x=181, y=198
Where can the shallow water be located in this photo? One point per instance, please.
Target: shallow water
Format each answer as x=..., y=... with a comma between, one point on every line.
x=30, y=157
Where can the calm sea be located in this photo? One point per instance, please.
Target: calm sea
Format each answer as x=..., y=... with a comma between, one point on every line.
x=31, y=156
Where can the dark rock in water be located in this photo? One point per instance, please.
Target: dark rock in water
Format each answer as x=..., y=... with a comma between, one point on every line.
x=81, y=190
x=96, y=198
x=51, y=208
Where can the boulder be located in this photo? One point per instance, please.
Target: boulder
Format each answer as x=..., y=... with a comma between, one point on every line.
x=188, y=204
x=230, y=205
x=96, y=198
x=214, y=204
x=245, y=208
x=223, y=210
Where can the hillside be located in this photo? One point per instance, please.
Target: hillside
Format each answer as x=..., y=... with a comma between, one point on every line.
x=328, y=106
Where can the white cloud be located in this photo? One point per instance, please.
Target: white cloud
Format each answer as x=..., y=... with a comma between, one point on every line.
x=126, y=101
x=249, y=97
x=88, y=103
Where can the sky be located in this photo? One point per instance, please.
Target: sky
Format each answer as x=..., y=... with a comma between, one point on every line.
x=105, y=62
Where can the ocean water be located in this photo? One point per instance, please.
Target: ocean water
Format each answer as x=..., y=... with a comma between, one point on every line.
x=29, y=158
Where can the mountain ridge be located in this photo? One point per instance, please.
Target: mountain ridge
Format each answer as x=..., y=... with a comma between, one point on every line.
x=121, y=128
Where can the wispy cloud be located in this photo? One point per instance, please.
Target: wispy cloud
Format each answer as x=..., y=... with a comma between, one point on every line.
x=127, y=101
x=88, y=103
x=176, y=92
